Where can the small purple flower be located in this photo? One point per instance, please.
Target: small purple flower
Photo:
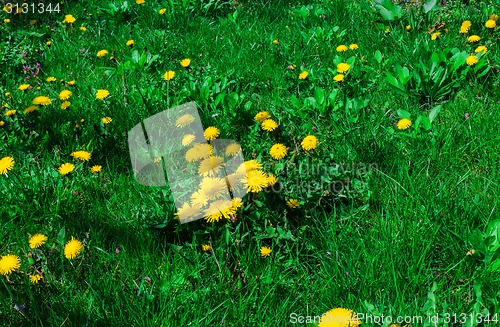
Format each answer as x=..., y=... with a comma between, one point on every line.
x=466, y=115
x=147, y=279
x=37, y=65
x=26, y=68
x=117, y=250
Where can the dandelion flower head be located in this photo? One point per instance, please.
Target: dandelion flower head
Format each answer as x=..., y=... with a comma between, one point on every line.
x=6, y=164
x=309, y=143
x=404, y=123
x=269, y=125
x=278, y=151
x=265, y=251
x=339, y=317
x=73, y=248
x=37, y=240
x=9, y=263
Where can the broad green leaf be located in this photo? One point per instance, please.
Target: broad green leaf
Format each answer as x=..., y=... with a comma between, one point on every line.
x=403, y=114
x=378, y=56
x=387, y=9
x=319, y=96
x=398, y=87
x=434, y=112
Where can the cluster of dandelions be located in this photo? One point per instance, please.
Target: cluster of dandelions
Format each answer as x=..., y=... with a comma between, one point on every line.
x=279, y=151
x=471, y=60
x=480, y=50
x=80, y=155
x=11, y=263
x=212, y=198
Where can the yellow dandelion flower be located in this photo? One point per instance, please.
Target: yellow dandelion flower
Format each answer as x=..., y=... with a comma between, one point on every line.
x=198, y=151
x=233, y=149
x=65, y=105
x=269, y=125
x=185, y=62
x=408, y=27
x=48, y=43
x=168, y=75
x=199, y=199
x=6, y=20
x=353, y=46
x=65, y=94
x=255, y=181
x=24, y=87
x=339, y=317
x=139, y=2
x=471, y=60
x=6, y=164
x=2, y=123
x=102, y=94
x=96, y=169
x=219, y=209
x=404, y=123
x=237, y=203
x=42, y=101
x=490, y=23
x=206, y=247
x=265, y=251
x=261, y=116
x=7, y=94
x=66, y=168
x=275, y=42
x=211, y=133
x=188, y=139
x=473, y=38
x=184, y=120
x=278, y=151
x=309, y=143
x=162, y=11
x=106, y=120
x=467, y=23
x=37, y=240
x=341, y=48
x=102, y=53
x=35, y=278
x=494, y=17
x=81, y=155
x=51, y=79
x=248, y=166
x=339, y=78
x=130, y=43
x=210, y=166
x=271, y=180
x=387, y=31
x=303, y=75
x=71, y=83
x=213, y=187
x=481, y=48
x=73, y=248
x=293, y=203
x=10, y=113
x=434, y=36
x=343, y=67
x=9, y=263
x=186, y=212
x=69, y=19
x=83, y=28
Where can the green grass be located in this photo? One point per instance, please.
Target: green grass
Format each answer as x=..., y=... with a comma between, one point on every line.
x=394, y=243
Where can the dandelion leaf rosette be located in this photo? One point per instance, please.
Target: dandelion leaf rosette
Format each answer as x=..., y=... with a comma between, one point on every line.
x=198, y=174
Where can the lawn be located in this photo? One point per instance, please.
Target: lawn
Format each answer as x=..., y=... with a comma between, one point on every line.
x=368, y=192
